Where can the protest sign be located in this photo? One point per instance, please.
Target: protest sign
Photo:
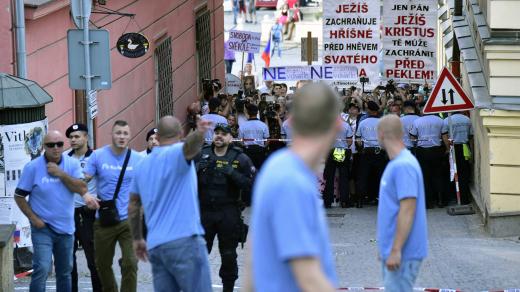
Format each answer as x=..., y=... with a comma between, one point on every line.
x=294, y=73
x=351, y=36
x=244, y=41
x=410, y=40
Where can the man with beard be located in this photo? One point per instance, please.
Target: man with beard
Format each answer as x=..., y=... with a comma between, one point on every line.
x=223, y=172
x=113, y=167
x=83, y=217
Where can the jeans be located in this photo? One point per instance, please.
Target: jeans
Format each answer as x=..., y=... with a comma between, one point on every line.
x=403, y=279
x=181, y=265
x=229, y=66
x=105, y=239
x=47, y=243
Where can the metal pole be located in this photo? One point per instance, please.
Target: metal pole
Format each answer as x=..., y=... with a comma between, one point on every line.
x=309, y=48
x=21, y=58
x=452, y=152
x=88, y=78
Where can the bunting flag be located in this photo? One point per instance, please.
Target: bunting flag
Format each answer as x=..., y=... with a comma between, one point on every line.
x=266, y=55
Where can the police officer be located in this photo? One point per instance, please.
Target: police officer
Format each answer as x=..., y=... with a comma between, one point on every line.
x=84, y=217
x=407, y=120
x=255, y=129
x=223, y=171
x=373, y=158
x=430, y=152
x=213, y=117
x=339, y=158
x=461, y=138
x=151, y=141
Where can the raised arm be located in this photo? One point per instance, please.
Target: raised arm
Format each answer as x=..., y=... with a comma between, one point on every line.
x=195, y=140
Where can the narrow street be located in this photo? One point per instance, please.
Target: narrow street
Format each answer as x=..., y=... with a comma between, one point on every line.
x=461, y=255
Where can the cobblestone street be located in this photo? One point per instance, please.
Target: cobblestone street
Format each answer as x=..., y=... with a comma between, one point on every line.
x=461, y=255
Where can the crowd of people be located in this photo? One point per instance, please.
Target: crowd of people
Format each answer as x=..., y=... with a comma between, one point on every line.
x=168, y=203
x=259, y=118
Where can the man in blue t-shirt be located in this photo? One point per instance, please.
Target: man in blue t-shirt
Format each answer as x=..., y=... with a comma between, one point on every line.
x=290, y=239
x=106, y=165
x=402, y=235
x=50, y=182
x=165, y=185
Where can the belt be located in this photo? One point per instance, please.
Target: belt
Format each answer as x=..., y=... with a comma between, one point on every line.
x=372, y=150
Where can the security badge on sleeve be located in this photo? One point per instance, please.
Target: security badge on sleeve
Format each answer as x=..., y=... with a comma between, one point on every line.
x=339, y=154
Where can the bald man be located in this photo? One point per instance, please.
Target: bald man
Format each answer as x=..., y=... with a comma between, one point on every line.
x=290, y=242
x=50, y=182
x=165, y=185
x=402, y=235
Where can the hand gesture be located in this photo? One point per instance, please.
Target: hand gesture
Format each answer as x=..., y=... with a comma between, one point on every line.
x=140, y=249
x=394, y=261
x=203, y=125
x=92, y=203
x=53, y=169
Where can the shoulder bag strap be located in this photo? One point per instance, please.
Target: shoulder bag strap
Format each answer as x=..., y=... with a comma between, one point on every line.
x=122, y=173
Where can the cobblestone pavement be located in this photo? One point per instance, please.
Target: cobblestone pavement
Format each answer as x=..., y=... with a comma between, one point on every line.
x=461, y=255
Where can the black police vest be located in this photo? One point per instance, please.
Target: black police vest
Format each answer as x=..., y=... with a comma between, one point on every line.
x=215, y=187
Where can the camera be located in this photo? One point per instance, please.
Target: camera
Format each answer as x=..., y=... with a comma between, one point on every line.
x=211, y=85
x=271, y=110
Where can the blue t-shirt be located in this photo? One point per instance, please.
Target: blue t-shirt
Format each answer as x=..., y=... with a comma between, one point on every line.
x=49, y=198
x=402, y=179
x=344, y=133
x=367, y=132
x=462, y=128
x=253, y=129
x=167, y=186
x=407, y=121
x=427, y=129
x=288, y=222
x=106, y=167
x=214, y=119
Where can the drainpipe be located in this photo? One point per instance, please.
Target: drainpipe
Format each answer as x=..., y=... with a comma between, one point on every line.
x=21, y=59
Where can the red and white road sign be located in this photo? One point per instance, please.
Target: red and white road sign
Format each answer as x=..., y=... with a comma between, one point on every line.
x=447, y=96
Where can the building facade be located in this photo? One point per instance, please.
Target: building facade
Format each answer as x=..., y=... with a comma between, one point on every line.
x=185, y=37
x=480, y=38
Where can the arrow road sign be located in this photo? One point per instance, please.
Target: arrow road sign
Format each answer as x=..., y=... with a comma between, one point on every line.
x=447, y=96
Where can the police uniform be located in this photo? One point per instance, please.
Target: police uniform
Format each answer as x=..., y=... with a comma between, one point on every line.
x=258, y=130
x=407, y=121
x=339, y=158
x=430, y=153
x=84, y=221
x=462, y=133
x=372, y=160
x=220, y=181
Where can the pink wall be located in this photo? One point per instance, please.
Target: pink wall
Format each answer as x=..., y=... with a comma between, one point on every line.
x=132, y=96
x=6, y=39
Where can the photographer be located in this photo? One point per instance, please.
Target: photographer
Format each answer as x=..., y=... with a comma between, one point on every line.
x=210, y=89
x=272, y=117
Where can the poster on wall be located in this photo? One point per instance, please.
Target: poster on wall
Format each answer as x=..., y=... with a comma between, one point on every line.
x=351, y=36
x=20, y=144
x=410, y=40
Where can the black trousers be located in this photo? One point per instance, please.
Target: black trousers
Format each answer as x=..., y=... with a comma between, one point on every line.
x=257, y=155
x=223, y=222
x=370, y=170
x=464, y=174
x=84, y=220
x=329, y=174
x=432, y=161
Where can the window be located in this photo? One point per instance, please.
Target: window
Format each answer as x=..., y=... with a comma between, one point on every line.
x=163, y=79
x=203, y=45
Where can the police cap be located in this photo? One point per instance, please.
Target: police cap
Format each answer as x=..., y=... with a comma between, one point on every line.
x=150, y=133
x=223, y=127
x=74, y=128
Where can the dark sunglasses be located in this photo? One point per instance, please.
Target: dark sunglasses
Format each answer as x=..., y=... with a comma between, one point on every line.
x=54, y=144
